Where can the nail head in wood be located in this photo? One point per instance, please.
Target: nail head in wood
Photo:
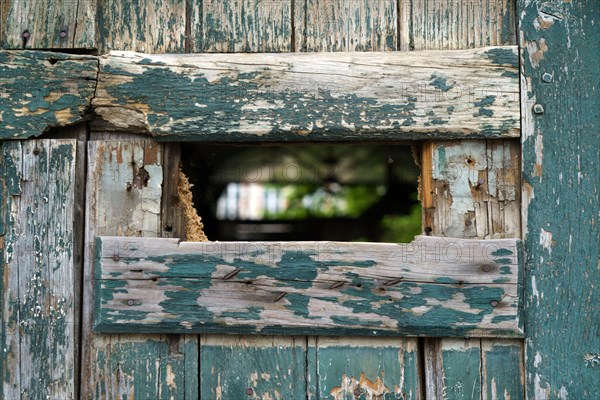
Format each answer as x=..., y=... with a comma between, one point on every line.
x=63, y=34
x=26, y=34
x=249, y=391
x=547, y=77
x=538, y=109
x=494, y=303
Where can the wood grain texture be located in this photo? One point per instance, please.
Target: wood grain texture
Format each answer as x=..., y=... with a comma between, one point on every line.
x=147, y=26
x=124, y=198
x=236, y=26
x=475, y=189
x=471, y=189
x=299, y=97
x=255, y=367
x=346, y=25
x=559, y=58
x=369, y=368
x=431, y=286
x=459, y=24
x=50, y=24
x=38, y=298
x=40, y=89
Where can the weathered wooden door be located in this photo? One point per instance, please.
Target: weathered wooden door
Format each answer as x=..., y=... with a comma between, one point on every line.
x=479, y=181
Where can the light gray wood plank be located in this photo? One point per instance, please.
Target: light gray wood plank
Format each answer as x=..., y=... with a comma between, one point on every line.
x=460, y=24
x=392, y=96
x=39, y=300
x=346, y=25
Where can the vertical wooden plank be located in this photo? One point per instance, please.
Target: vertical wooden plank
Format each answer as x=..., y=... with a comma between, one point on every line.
x=236, y=26
x=346, y=25
x=473, y=192
x=124, y=198
x=254, y=367
x=500, y=382
x=371, y=368
x=38, y=272
x=43, y=24
x=560, y=94
x=463, y=382
x=10, y=356
x=460, y=24
x=146, y=26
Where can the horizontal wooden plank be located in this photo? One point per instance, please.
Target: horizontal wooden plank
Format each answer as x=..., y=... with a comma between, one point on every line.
x=42, y=89
x=319, y=96
x=432, y=286
x=265, y=97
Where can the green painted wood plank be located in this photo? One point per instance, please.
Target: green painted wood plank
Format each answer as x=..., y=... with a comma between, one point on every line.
x=498, y=380
x=37, y=270
x=300, y=97
x=560, y=118
x=367, y=368
x=236, y=26
x=346, y=25
x=236, y=367
x=147, y=26
x=42, y=89
x=432, y=286
x=461, y=364
x=46, y=24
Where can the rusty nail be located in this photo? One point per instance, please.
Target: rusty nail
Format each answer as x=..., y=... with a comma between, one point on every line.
x=479, y=183
x=547, y=77
x=116, y=257
x=232, y=274
x=392, y=282
x=129, y=186
x=36, y=151
x=468, y=222
x=336, y=285
x=357, y=392
x=494, y=303
x=486, y=268
x=538, y=109
x=279, y=297
x=26, y=34
x=63, y=34
x=249, y=391
x=130, y=302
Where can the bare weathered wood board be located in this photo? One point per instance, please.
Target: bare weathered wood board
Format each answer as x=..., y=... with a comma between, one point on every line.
x=329, y=96
x=37, y=295
x=430, y=286
x=345, y=25
x=42, y=89
x=458, y=24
